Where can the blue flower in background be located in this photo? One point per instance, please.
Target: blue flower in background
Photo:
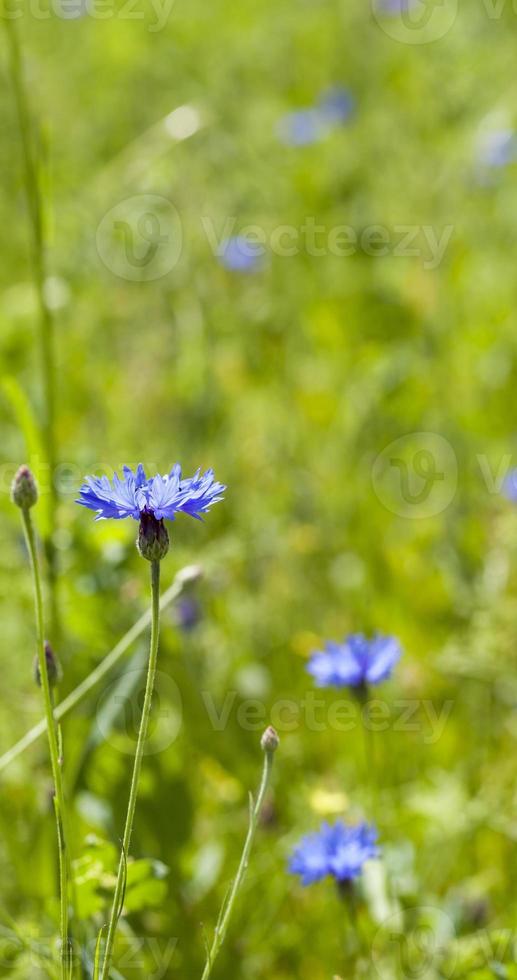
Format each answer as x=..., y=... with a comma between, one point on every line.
x=336, y=105
x=510, y=486
x=309, y=125
x=356, y=662
x=395, y=6
x=337, y=850
x=241, y=255
x=188, y=613
x=160, y=496
x=302, y=128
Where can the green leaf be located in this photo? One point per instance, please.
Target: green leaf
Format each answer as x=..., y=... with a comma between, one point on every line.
x=34, y=450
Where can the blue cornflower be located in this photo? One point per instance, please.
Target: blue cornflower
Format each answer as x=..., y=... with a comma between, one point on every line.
x=161, y=496
x=356, y=662
x=238, y=254
x=150, y=501
x=337, y=850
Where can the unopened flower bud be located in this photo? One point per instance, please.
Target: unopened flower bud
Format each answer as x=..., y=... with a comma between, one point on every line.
x=53, y=667
x=270, y=740
x=153, y=538
x=24, y=492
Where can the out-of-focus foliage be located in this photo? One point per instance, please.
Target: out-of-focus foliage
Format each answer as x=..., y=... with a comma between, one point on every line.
x=291, y=380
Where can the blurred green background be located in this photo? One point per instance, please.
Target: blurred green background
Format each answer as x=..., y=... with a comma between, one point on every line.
x=300, y=380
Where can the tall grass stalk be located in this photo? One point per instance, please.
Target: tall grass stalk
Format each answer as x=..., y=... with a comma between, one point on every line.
x=118, y=898
x=53, y=741
x=32, y=177
x=186, y=575
x=269, y=744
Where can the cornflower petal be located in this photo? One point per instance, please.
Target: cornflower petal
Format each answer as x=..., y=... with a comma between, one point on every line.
x=337, y=850
x=383, y=654
x=159, y=496
x=355, y=662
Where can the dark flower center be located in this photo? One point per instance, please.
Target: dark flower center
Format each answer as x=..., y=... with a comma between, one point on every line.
x=153, y=539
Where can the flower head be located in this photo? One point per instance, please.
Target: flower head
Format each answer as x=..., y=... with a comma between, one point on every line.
x=337, y=850
x=356, y=662
x=153, y=538
x=270, y=740
x=24, y=491
x=160, y=496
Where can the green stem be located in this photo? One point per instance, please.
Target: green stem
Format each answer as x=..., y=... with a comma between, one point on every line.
x=188, y=574
x=56, y=762
x=370, y=766
x=349, y=938
x=133, y=793
x=222, y=926
x=46, y=323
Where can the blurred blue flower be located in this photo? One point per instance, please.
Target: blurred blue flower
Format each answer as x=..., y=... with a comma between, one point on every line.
x=309, y=125
x=356, y=662
x=302, y=128
x=510, y=486
x=395, y=6
x=336, y=105
x=337, y=850
x=241, y=255
x=187, y=613
x=161, y=496
x=498, y=148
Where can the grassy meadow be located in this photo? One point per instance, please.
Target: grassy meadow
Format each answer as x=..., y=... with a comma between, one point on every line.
x=351, y=379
